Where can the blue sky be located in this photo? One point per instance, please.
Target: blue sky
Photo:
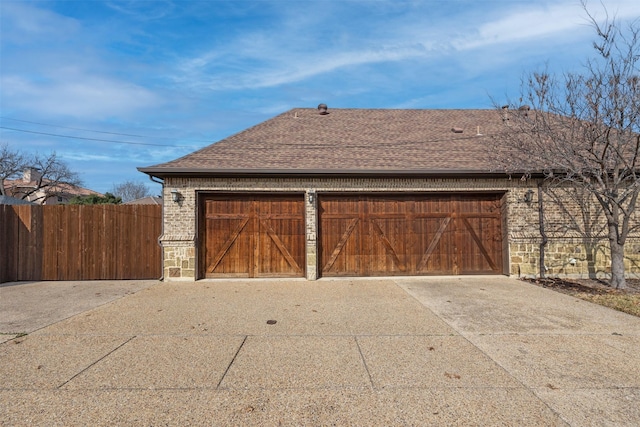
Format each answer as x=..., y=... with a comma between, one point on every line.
x=136, y=83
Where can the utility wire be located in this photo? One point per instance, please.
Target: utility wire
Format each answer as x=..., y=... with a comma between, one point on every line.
x=96, y=139
x=92, y=130
x=191, y=146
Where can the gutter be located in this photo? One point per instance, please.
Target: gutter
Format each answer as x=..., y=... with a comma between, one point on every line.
x=338, y=173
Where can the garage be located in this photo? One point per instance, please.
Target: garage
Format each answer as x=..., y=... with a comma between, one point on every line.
x=259, y=235
x=415, y=234
x=349, y=192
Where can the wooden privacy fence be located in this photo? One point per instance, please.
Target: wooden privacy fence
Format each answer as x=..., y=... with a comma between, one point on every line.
x=71, y=242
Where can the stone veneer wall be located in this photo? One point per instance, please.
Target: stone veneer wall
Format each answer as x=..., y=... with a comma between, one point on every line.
x=568, y=257
x=567, y=254
x=180, y=243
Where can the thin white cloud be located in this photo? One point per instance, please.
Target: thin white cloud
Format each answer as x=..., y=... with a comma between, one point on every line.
x=47, y=69
x=259, y=60
x=523, y=26
x=531, y=22
x=143, y=10
x=81, y=96
x=107, y=153
x=298, y=69
x=271, y=66
x=86, y=157
x=24, y=23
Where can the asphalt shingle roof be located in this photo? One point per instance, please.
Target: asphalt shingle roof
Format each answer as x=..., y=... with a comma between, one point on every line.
x=350, y=141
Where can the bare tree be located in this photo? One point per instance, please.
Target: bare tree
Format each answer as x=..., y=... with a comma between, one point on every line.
x=130, y=190
x=582, y=130
x=53, y=178
x=12, y=162
x=587, y=223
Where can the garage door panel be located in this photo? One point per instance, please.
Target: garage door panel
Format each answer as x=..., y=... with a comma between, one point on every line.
x=410, y=234
x=479, y=205
x=390, y=241
x=434, y=205
x=340, y=244
x=434, y=240
x=253, y=236
x=226, y=251
x=481, y=238
x=386, y=206
x=277, y=238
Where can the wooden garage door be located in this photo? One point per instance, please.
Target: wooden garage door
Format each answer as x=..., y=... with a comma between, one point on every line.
x=252, y=236
x=410, y=234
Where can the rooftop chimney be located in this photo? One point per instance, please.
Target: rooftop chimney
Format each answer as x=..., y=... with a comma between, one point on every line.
x=31, y=174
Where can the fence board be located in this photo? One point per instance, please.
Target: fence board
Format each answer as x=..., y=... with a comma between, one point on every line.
x=27, y=250
x=67, y=242
x=49, y=244
x=4, y=245
x=9, y=225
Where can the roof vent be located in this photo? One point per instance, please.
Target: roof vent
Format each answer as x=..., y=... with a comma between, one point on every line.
x=456, y=130
x=524, y=110
x=505, y=113
x=322, y=109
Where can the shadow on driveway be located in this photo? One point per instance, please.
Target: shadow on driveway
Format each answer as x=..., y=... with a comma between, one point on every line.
x=28, y=306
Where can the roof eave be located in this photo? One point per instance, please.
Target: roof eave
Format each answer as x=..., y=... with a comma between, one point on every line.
x=292, y=173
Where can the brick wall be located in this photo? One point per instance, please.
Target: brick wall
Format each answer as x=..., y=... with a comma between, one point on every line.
x=521, y=221
x=577, y=238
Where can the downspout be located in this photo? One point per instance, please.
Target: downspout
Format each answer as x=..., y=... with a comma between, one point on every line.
x=545, y=239
x=158, y=181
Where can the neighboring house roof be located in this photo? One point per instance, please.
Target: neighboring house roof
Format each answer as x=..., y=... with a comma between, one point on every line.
x=7, y=200
x=62, y=188
x=350, y=141
x=150, y=200
x=20, y=186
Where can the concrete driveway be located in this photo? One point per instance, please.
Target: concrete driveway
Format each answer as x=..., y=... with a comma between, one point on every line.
x=407, y=351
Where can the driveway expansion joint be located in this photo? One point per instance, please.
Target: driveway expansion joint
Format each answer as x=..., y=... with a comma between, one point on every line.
x=364, y=362
x=95, y=362
x=232, y=360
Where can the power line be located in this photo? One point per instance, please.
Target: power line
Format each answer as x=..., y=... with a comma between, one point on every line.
x=92, y=130
x=96, y=139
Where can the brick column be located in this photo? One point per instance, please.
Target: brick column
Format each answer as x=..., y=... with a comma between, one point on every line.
x=179, y=241
x=311, y=228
